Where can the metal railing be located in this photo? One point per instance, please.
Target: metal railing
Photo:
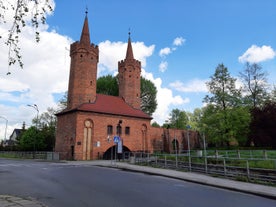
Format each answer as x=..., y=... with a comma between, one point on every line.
x=251, y=169
x=30, y=155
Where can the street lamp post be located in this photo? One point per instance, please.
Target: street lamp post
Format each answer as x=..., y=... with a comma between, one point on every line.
x=119, y=128
x=175, y=148
x=205, y=153
x=36, y=108
x=189, y=151
x=5, y=138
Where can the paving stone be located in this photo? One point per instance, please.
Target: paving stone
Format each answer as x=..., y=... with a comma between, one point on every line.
x=14, y=201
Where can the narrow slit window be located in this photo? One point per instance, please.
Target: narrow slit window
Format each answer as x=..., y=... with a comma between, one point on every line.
x=109, y=129
x=127, y=130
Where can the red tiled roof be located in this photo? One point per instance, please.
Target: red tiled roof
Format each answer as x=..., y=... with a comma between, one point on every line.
x=112, y=105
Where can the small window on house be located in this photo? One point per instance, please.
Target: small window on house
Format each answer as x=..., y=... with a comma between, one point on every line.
x=127, y=130
x=109, y=129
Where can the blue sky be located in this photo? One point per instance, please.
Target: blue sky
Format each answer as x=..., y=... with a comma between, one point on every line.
x=180, y=43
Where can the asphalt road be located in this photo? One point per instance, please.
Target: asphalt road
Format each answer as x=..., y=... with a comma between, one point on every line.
x=69, y=185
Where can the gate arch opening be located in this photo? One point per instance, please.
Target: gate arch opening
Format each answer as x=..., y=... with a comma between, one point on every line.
x=109, y=154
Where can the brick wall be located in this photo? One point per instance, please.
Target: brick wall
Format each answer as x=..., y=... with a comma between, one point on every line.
x=65, y=135
x=162, y=139
x=83, y=74
x=100, y=140
x=142, y=137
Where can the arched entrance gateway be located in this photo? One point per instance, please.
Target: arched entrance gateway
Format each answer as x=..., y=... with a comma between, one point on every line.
x=111, y=153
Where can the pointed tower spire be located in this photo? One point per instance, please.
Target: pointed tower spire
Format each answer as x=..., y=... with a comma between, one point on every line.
x=129, y=53
x=85, y=36
x=83, y=70
x=129, y=78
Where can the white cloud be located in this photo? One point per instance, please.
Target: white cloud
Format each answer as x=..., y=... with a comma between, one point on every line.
x=179, y=41
x=256, y=54
x=112, y=52
x=165, y=99
x=163, y=66
x=45, y=72
x=165, y=51
x=194, y=85
x=9, y=84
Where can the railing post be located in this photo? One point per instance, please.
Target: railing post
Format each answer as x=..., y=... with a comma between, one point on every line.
x=206, y=164
x=265, y=154
x=239, y=154
x=247, y=170
x=224, y=166
x=165, y=161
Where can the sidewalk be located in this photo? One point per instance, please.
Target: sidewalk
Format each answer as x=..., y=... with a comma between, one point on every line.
x=260, y=190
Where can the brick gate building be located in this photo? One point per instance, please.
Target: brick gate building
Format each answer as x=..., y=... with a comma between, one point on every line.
x=87, y=127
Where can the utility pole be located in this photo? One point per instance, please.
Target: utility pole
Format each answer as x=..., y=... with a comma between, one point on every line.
x=36, y=108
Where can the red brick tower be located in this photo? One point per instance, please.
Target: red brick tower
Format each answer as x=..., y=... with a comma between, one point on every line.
x=129, y=78
x=83, y=70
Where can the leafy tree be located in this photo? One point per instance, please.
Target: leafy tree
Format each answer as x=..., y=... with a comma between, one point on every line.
x=108, y=85
x=166, y=125
x=223, y=88
x=22, y=10
x=155, y=124
x=239, y=121
x=218, y=113
x=255, y=84
x=41, y=136
x=195, y=119
x=148, y=96
x=272, y=95
x=48, y=134
x=211, y=125
x=31, y=139
x=178, y=119
x=47, y=118
x=262, y=127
